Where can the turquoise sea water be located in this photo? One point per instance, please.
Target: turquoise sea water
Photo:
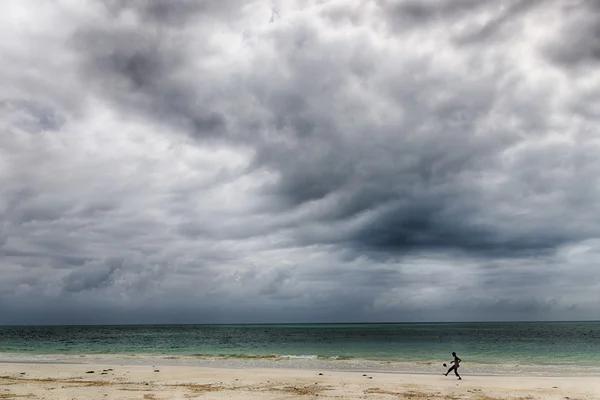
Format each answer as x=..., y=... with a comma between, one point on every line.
x=552, y=343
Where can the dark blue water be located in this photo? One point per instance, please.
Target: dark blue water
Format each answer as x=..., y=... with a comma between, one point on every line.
x=575, y=343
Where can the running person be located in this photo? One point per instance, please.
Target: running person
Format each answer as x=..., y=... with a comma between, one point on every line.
x=454, y=367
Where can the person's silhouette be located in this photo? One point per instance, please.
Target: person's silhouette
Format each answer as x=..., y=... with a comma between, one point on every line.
x=454, y=367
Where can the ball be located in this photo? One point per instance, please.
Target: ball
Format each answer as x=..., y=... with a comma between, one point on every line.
x=444, y=364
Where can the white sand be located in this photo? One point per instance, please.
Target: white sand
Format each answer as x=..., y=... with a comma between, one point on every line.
x=71, y=381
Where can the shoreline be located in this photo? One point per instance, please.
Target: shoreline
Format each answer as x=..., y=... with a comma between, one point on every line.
x=112, y=381
x=354, y=365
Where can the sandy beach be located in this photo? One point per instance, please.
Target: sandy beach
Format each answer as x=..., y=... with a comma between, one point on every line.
x=89, y=381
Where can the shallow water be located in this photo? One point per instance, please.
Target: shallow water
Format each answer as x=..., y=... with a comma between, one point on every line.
x=394, y=347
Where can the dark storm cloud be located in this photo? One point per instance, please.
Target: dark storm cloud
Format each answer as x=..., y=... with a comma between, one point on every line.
x=419, y=227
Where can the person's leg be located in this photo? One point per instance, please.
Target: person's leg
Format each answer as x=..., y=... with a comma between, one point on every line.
x=452, y=368
x=456, y=373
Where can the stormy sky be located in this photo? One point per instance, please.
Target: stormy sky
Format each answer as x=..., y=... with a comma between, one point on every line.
x=299, y=161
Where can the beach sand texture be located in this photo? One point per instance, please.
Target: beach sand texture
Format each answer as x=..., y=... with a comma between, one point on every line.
x=77, y=381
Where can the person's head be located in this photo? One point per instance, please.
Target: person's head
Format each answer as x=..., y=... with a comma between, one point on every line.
x=454, y=354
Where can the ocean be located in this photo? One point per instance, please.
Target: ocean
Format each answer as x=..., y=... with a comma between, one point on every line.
x=420, y=347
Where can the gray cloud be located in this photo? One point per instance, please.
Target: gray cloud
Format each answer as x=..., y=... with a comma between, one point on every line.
x=505, y=17
x=578, y=40
x=175, y=12
x=138, y=69
x=405, y=161
x=90, y=277
x=430, y=11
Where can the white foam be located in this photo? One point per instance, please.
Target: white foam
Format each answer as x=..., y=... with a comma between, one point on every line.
x=300, y=357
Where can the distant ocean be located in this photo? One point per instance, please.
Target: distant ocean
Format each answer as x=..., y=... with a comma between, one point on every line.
x=422, y=346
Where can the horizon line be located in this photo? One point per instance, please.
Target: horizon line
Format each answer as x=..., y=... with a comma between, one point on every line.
x=310, y=323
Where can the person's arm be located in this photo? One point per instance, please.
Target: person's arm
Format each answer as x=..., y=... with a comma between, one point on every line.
x=459, y=360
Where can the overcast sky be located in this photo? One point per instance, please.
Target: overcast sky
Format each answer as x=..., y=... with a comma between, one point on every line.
x=183, y=161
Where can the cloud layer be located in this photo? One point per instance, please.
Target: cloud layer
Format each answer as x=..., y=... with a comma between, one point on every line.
x=189, y=161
